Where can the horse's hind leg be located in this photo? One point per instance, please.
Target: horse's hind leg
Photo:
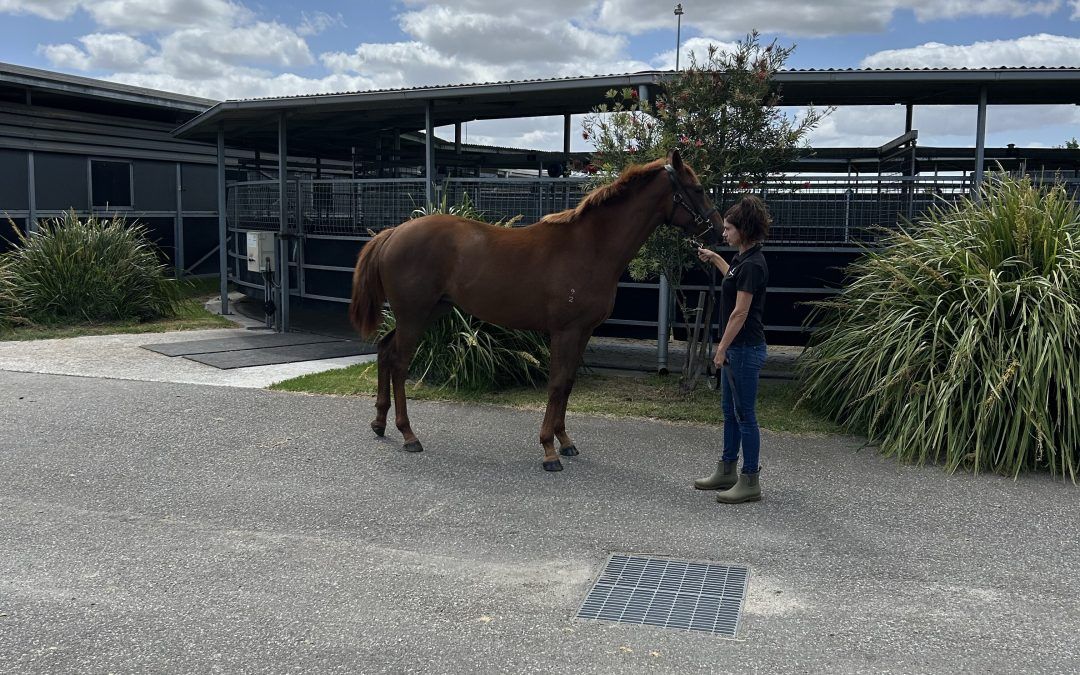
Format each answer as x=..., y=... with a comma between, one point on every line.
x=382, y=399
x=407, y=336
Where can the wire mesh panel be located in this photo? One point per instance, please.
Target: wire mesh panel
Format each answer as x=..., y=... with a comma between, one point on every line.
x=254, y=205
x=352, y=207
x=504, y=198
x=821, y=212
x=809, y=212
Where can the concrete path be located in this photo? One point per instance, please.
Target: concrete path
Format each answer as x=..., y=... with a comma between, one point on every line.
x=178, y=528
x=121, y=357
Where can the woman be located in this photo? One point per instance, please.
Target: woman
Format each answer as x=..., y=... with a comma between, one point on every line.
x=741, y=350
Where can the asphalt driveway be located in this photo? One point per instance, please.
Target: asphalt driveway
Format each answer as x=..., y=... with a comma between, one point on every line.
x=163, y=527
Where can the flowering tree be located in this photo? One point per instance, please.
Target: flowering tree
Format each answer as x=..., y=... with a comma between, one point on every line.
x=724, y=117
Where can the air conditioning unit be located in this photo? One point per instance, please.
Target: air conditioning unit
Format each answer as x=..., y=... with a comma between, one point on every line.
x=260, y=252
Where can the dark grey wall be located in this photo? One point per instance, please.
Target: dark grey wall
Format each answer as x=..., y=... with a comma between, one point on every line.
x=60, y=182
x=199, y=184
x=14, y=194
x=155, y=186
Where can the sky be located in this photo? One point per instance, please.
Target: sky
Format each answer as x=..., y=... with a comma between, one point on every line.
x=229, y=49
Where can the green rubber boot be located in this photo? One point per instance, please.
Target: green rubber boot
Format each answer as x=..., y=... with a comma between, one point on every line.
x=745, y=490
x=723, y=478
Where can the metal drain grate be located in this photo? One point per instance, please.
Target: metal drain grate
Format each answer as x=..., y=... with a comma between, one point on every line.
x=681, y=594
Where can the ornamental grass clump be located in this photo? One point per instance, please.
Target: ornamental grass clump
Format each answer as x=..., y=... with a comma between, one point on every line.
x=958, y=341
x=8, y=316
x=461, y=352
x=90, y=270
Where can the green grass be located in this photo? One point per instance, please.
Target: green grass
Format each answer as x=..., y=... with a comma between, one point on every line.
x=652, y=397
x=190, y=315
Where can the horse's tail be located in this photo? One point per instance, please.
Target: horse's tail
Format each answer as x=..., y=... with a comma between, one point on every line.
x=368, y=293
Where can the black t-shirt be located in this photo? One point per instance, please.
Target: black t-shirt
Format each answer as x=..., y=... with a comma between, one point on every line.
x=749, y=273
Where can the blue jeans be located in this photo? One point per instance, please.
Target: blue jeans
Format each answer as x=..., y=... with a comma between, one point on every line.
x=740, y=406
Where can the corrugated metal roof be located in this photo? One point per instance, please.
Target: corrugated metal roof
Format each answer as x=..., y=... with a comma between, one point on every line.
x=36, y=78
x=658, y=74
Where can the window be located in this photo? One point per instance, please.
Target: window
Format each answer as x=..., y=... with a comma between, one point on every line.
x=110, y=184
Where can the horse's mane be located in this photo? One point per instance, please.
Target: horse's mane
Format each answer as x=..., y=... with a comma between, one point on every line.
x=601, y=195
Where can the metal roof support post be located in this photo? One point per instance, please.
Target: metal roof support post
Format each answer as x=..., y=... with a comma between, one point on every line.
x=907, y=118
x=663, y=307
x=429, y=151
x=283, y=226
x=980, y=143
x=566, y=159
x=31, y=187
x=178, y=225
x=223, y=232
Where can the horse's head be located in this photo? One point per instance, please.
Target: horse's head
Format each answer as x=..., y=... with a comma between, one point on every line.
x=691, y=209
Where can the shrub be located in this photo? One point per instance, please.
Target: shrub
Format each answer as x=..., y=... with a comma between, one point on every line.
x=959, y=341
x=89, y=270
x=7, y=297
x=461, y=352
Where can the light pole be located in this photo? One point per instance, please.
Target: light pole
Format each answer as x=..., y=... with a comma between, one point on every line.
x=678, y=32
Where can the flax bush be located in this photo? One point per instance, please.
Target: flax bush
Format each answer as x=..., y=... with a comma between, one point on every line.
x=8, y=315
x=959, y=341
x=461, y=352
x=90, y=270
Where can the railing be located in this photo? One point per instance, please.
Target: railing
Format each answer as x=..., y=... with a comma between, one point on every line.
x=530, y=198
x=808, y=212
x=833, y=211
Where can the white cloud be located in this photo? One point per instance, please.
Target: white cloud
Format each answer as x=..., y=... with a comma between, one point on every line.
x=1076, y=9
x=808, y=18
x=100, y=51
x=238, y=83
x=496, y=38
x=49, y=9
x=136, y=15
x=929, y=10
x=317, y=22
x=951, y=125
x=151, y=15
x=197, y=53
x=1032, y=50
x=697, y=47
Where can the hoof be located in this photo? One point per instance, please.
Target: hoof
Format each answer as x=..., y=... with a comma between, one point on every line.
x=569, y=451
x=413, y=446
x=553, y=465
x=379, y=429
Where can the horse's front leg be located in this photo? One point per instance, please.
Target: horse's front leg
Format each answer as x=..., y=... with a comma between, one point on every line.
x=565, y=356
x=567, y=447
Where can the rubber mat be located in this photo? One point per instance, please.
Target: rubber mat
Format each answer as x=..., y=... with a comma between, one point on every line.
x=268, y=356
x=229, y=344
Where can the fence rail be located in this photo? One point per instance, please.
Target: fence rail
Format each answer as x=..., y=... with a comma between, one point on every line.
x=811, y=212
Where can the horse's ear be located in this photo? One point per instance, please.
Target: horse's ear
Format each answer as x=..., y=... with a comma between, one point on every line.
x=674, y=159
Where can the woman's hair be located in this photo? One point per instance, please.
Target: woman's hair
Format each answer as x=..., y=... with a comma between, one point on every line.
x=750, y=217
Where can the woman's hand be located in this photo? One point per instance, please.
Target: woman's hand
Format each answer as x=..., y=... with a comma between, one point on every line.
x=721, y=356
x=705, y=255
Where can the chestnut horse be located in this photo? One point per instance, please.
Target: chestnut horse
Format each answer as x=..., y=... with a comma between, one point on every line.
x=558, y=275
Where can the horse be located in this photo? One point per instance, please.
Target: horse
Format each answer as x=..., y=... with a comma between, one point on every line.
x=558, y=275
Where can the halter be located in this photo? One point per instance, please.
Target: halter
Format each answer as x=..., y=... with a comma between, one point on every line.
x=680, y=198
